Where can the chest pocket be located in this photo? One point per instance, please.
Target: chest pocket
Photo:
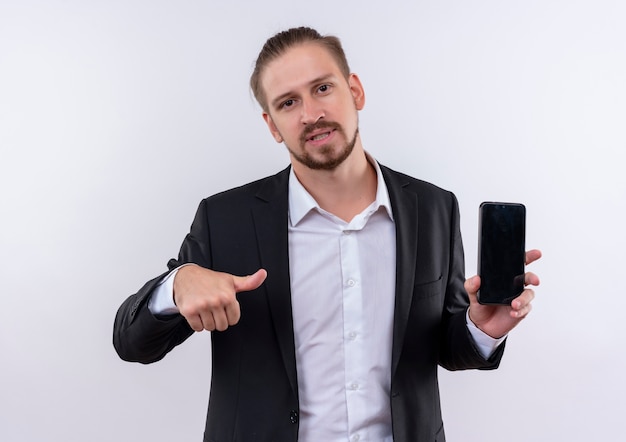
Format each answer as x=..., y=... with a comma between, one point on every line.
x=428, y=289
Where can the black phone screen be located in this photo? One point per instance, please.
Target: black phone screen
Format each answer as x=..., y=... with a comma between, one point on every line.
x=501, y=252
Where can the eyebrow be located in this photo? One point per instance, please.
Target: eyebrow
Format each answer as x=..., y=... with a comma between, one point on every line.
x=276, y=101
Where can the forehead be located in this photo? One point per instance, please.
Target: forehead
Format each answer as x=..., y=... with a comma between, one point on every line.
x=297, y=67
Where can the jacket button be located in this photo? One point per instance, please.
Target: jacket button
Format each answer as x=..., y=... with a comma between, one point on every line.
x=293, y=417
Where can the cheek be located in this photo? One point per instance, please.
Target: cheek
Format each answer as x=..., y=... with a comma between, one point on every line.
x=350, y=108
x=289, y=129
x=351, y=119
x=278, y=128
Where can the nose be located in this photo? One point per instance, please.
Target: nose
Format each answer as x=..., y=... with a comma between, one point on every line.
x=311, y=112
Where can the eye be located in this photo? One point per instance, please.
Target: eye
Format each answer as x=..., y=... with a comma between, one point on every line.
x=324, y=88
x=287, y=104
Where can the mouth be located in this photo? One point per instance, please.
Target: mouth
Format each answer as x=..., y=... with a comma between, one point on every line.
x=320, y=133
x=320, y=136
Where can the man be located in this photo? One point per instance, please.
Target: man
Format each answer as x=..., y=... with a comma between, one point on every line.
x=356, y=289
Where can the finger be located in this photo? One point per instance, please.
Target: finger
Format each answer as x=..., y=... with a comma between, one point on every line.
x=521, y=312
x=208, y=323
x=472, y=285
x=219, y=321
x=532, y=255
x=531, y=279
x=251, y=282
x=195, y=322
x=192, y=316
x=524, y=299
x=233, y=313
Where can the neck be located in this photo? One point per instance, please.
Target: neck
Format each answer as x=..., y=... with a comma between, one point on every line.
x=345, y=191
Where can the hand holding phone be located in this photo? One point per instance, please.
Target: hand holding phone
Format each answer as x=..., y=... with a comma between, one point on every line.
x=501, y=250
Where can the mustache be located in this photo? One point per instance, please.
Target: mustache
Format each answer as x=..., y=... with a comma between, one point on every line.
x=309, y=129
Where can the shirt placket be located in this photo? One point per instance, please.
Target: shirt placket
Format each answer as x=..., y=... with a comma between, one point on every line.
x=352, y=332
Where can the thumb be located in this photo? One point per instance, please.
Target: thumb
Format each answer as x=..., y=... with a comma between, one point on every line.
x=471, y=286
x=250, y=282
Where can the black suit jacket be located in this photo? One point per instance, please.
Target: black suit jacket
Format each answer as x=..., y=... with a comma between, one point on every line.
x=254, y=394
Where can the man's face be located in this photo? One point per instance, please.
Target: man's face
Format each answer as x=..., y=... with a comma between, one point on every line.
x=311, y=106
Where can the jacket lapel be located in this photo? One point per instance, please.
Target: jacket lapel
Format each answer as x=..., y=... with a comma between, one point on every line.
x=270, y=222
x=404, y=205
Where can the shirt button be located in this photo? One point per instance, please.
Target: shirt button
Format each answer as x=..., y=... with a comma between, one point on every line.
x=351, y=282
x=347, y=232
x=355, y=438
x=354, y=386
x=352, y=336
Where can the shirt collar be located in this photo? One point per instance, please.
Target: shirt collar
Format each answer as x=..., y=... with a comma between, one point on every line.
x=301, y=202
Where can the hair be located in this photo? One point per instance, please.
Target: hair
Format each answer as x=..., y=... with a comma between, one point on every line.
x=277, y=45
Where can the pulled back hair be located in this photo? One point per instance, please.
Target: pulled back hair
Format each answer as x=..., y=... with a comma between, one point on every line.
x=277, y=45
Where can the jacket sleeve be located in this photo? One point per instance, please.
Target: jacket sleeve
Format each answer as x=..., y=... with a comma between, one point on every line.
x=457, y=348
x=140, y=336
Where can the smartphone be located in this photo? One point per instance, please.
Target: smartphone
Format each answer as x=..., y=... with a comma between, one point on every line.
x=501, y=252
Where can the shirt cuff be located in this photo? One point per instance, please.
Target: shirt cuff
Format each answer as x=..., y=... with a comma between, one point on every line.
x=161, y=301
x=486, y=344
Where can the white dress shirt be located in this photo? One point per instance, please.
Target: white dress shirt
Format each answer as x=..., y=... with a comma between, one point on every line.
x=343, y=295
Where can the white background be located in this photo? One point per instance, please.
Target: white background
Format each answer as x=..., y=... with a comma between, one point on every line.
x=117, y=117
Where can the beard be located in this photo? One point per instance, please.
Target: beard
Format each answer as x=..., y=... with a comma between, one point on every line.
x=330, y=159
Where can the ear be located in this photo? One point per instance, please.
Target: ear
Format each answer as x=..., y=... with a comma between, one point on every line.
x=357, y=91
x=272, y=127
